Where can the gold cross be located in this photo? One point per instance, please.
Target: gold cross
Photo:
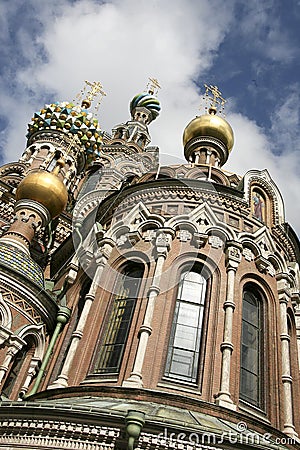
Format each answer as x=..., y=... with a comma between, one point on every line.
x=153, y=86
x=96, y=89
x=216, y=98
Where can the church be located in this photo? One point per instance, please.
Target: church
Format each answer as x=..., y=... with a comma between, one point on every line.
x=144, y=306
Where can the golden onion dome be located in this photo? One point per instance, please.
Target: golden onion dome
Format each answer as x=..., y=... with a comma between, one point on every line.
x=45, y=188
x=209, y=125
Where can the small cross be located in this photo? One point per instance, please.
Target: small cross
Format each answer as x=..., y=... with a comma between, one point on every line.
x=213, y=97
x=153, y=86
x=96, y=90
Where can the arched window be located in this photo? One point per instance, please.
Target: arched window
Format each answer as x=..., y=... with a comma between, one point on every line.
x=118, y=323
x=185, y=339
x=251, y=381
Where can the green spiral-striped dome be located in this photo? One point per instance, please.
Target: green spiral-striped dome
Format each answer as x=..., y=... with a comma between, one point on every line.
x=147, y=101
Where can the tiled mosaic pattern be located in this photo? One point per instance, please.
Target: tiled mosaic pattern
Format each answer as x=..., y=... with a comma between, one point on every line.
x=22, y=263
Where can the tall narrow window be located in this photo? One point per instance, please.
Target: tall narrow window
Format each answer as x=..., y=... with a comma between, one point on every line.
x=118, y=324
x=251, y=389
x=53, y=162
x=185, y=339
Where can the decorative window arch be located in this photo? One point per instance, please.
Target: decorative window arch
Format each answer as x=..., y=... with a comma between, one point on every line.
x=19, y=368
x=186, y=332
x=116, y=329
x=252, y=345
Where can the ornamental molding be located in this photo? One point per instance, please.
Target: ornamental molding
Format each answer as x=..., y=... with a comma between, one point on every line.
x=178, y=193
x=38, y=309
x=57, y=434
x=282, y=239
x=88, y=202
x=21, y=304
x=262, y=179
x=6, y=211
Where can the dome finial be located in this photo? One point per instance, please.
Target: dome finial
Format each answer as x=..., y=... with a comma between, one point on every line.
x=86, y=95
x=153, y=86
x=213, y=97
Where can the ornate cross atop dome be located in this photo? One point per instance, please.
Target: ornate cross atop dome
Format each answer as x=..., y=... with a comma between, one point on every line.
x=213, y=96
x=86, y=96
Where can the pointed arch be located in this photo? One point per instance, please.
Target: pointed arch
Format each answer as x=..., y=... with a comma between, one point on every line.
x=5, y=314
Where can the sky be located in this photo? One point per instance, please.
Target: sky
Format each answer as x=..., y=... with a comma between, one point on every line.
x=249, y=49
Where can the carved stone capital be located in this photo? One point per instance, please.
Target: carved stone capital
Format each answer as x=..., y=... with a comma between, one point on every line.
x=262, y=264
x=233, y=254
x=163, y=240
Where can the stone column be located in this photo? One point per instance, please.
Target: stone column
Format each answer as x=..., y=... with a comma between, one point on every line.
x=162, y=243
x=101, y=260
x=208, y=155
x=197, y=157
x=287, y=381
x=30, y=374
x=233, y=258
x=15, y=344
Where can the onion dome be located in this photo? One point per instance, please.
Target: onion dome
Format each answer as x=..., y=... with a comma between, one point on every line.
x=69, y=118
x=210, y=125
x=45, y=188
x=148, y=101
x=208, y=139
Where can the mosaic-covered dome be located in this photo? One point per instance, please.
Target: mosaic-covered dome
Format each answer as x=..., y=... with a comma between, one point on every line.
x=146, y=100
x=69, y=118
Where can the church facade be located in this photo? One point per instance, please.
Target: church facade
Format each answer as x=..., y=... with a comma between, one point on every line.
x=144, y=306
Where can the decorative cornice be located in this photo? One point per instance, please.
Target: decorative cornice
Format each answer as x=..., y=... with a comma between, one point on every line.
x=57, y=433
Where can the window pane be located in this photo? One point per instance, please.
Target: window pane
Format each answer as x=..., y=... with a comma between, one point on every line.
x=251, y=344
x=114, y=340
x=250, y=310
x=188, y=314
x=249, y=386
x=182, y=363
x=185, y=337
x=184, y=345
x=192, y=291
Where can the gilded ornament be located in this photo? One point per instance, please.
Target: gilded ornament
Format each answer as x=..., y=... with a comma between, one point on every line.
x=45, y=188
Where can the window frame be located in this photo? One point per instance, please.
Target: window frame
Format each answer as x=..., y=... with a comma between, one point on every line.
x=106, y=329
x=260, y=404
x=195, y=380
